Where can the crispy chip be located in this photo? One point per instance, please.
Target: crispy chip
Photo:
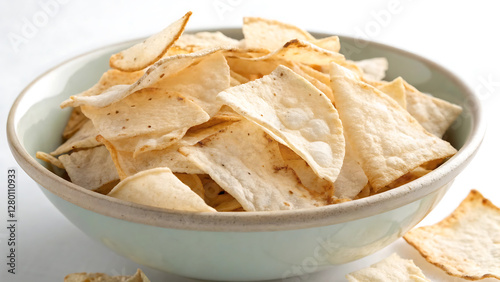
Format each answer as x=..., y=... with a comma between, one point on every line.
x=255, y=174
x=316, y=185
x=392, y=268
x=164, y=69
x=303, y=52
x=296, y=114
x=91, y=169
x=387, y=141
x=49, y=159
x=201, y=82
x=193, y=182
x=151, y=50
x=434, y=114
x=75, y=122
x=466, y=243
x=139, y=276
x=206, y=40
x=84, y=138
x=396, y=90
x=159, y=187
x=127, y=164
x=373, y=69
x=150, y=119
x=352, y=179
x=109, y=79
x=272, y=34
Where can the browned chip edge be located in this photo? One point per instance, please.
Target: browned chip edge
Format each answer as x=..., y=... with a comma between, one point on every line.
x=473, y=196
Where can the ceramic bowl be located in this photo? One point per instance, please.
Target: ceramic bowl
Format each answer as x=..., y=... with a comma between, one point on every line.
x=244, y=245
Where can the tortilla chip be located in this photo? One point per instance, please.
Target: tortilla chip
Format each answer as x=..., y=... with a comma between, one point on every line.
x=162, y=69
x=151, y=50
x=108, y=80
x=91, y=169
x=139, y=276
x=316, y=185
x=296, y=114
x=392, y=268
x=299, y=51
x=396, y=90
x=270, y=34
x=325, y=88
x=150, y=119
x=201, y=82
x=49, y=159
x=159, y=187
x=387, y=141
x=128, y=164
x=465, y=244
x=374, y=68
x=75, y=122
x=352, y=179
x=206, y=40
x=193, y=182
x=84, y=138
x=330, y=43
x=434, y=114
x=255, y=174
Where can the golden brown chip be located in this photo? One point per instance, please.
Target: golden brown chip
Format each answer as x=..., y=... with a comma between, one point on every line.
x=149, y=51
x=386, y=140
x=466, y=243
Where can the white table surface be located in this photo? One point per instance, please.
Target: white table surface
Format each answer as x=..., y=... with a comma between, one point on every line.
x=463, y=37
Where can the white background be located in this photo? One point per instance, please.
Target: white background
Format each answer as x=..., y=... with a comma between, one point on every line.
x=460, y=35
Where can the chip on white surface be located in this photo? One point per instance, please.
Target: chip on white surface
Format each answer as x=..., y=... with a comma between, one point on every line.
x=465, y=244
x=393, y=268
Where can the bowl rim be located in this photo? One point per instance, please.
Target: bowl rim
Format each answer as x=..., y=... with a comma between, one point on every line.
x=263, y=220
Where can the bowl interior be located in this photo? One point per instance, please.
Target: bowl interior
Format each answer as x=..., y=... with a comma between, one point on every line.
x=38, y=121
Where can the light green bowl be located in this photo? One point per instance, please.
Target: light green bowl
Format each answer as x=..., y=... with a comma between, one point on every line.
x=245, y=245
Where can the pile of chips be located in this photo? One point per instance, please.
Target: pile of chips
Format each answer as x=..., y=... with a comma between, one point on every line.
x=278, y=120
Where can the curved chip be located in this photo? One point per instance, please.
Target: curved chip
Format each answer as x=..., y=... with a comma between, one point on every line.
x=151, y=50
x=387, y=141
x=162, y=69
x=296, y=114
x=159, y=187
x=255, y=174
